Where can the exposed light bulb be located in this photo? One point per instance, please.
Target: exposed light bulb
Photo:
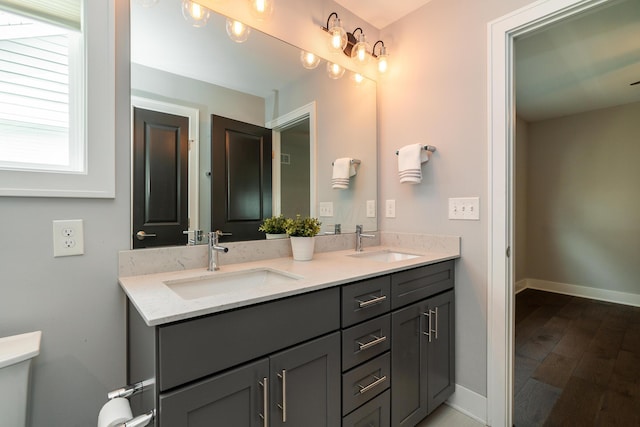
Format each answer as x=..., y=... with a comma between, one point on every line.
x=361, y=51
x=383, y=64
x=338, y=35
x=261, y=9
x=196, y=14
x=237, y=31
x=358, y=78
x=335, y=71
x=309, y=60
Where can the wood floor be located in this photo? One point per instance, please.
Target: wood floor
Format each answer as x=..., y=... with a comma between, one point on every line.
x=577, y=362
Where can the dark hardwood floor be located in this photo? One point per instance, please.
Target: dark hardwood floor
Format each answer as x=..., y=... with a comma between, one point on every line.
x=577, y=362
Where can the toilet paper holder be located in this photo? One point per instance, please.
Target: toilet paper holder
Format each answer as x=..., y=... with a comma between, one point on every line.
x=139, y=421
x=128, y=391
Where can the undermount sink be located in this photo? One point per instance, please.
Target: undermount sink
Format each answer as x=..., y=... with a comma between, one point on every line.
x=221, y=283
x=384, y=256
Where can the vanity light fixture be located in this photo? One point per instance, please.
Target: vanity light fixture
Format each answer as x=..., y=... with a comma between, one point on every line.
x=383, y=57
x=338, y=35
x=309, y=60
x=334, y=71
x=357, y=78
x=361, y=51
x=237, y=31
x=261, y=9
x=195, y=14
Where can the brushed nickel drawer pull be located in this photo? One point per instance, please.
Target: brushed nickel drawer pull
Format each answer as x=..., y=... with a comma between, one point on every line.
x=378, y=381
x=436, y=313
x=375, y=300
x=265, y=401
x=376, y=341
x=283, y=406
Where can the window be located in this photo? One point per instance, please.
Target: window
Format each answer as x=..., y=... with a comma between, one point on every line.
x=41, y=111
x=57, y=98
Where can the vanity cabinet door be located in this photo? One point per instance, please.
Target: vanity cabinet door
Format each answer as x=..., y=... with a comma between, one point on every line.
x=441, y=350
x=422, y=369
x=305, y=384
x=233, y=399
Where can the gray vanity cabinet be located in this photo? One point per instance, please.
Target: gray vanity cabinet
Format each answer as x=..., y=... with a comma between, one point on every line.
x=302, y=388
x=422, y=368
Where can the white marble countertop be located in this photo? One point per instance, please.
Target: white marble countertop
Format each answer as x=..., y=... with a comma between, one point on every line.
x=158, y=304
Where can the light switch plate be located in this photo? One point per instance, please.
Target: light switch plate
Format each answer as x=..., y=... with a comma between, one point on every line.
x=464, y=208
x=390, y=208
x=371, y=208
x=326, y=209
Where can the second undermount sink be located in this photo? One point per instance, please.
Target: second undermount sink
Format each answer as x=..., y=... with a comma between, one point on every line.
x=222, y=283
x=386, y=255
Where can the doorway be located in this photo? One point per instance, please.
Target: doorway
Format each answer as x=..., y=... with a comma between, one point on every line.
x=501, y=137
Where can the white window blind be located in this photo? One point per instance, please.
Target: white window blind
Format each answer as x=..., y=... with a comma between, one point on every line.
x=65, y=13
x=40, y=123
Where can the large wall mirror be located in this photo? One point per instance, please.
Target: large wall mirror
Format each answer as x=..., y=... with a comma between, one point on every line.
x=190, y=74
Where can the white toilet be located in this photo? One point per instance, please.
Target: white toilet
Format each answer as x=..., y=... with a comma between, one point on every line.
x=16, y=353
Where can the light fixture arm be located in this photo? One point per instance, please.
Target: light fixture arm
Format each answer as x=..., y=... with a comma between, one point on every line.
x=373, y=51
x=329, y=19
x=354, y=32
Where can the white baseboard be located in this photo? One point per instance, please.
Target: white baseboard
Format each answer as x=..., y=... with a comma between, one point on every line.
x=583, y=291
x=520, y=286
x=470, y=403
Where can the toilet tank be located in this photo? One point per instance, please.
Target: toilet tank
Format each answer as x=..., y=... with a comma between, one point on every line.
x=16, y=353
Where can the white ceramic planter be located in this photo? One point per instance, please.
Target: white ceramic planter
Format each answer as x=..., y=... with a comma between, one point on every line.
x=276, y=236
x=302, y=248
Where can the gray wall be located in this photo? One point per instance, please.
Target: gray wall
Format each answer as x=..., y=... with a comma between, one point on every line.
x=583, y=224
x=521, y=212
x=436, y=93
x=75, y=301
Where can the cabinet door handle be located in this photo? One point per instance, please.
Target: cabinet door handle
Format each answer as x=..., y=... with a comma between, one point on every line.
x=436, y=330
x=265, y=401
x=428, y=333
x=283, y=406
x=374, y=300
x=376, y=341
x=364, y=389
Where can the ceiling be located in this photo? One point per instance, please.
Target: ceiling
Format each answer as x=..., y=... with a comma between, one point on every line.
x=580, y=64
x=381, y=13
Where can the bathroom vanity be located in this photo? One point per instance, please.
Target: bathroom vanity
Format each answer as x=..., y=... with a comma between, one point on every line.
x=374, y=347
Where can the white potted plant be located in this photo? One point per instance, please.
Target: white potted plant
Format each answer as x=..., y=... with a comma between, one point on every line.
x=274, y=227
x=302, y=231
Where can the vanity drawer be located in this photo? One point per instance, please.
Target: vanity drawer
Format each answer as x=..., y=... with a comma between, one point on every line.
x=375, y=413
x=365, y=341
x=195, y=348
x=365, y=382
x=419, y=283
x=363, y=300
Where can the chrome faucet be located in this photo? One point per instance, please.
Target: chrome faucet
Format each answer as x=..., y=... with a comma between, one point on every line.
x=215, y=249
x=359, y=237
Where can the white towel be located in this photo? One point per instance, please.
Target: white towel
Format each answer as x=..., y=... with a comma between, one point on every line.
x=343, y=168
x=410, y=159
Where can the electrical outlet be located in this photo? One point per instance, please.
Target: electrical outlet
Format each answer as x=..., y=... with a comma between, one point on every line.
x=390, y=208
x=326, y=209
x=371, y=208
x=68, y=237
x=464, y=208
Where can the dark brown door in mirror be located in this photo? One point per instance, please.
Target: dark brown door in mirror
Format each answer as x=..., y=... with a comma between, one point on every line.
x=240, y=178
x=160, y=178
